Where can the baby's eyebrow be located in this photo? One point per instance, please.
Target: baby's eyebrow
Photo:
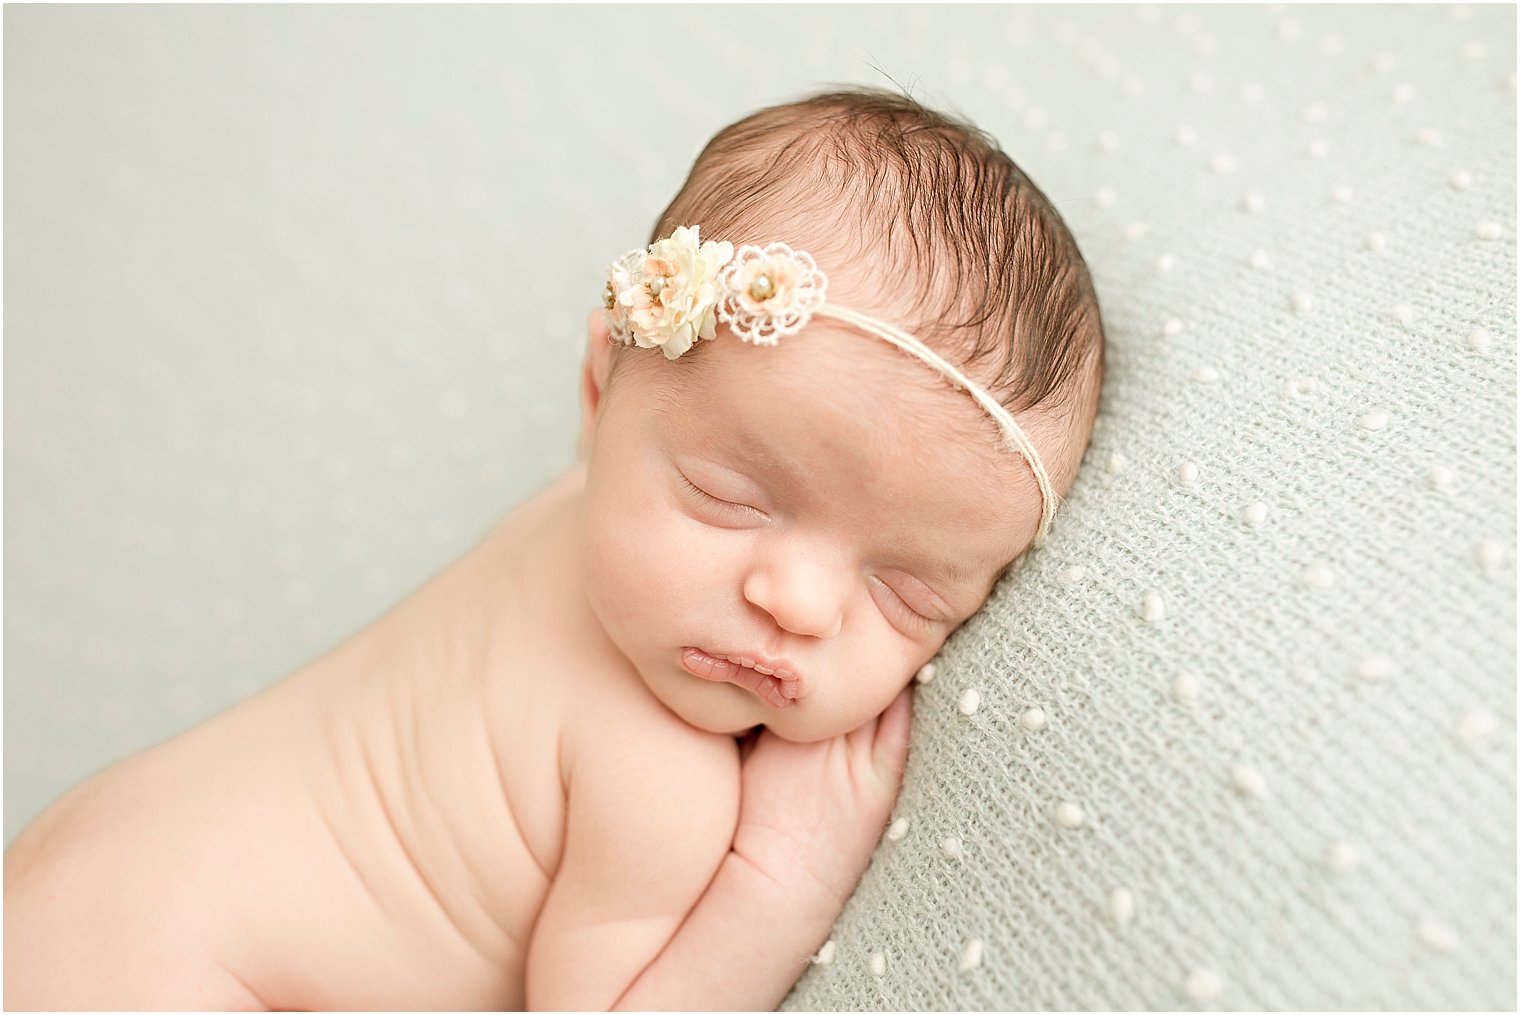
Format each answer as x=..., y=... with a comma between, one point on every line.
x=952, y=572
x=733, y=439
x=961, y=581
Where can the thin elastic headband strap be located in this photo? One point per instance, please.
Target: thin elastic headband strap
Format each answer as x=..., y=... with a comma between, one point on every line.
x=1015, y=436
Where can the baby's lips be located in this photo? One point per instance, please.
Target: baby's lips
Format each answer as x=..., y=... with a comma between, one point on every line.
x=779, y=688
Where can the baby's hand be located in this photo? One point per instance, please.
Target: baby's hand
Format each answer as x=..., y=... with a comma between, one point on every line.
x=814, y=812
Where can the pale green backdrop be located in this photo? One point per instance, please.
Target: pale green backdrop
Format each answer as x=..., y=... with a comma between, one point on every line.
x=294, y=300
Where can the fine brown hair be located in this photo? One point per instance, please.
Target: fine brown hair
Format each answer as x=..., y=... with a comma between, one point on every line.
x=925, y=214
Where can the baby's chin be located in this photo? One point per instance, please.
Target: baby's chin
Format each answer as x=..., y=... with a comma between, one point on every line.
x=724, y=709
x=799, y=727
x=733, y=716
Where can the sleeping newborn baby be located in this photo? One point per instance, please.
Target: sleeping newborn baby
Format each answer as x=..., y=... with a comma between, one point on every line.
x=635, y=748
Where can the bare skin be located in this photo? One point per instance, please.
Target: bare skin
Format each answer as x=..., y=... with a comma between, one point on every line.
x=381, y=828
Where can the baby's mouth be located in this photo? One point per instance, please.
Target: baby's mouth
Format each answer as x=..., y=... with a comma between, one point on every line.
x=779, y=689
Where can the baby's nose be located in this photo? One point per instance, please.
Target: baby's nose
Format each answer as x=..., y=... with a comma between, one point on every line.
x=805, y=598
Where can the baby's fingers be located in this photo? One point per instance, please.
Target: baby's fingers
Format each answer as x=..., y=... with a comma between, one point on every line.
x=889, y=753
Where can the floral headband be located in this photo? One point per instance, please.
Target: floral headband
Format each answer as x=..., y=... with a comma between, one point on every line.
x=673, y=292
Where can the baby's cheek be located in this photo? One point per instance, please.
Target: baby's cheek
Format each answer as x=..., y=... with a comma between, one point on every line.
x=636, y=564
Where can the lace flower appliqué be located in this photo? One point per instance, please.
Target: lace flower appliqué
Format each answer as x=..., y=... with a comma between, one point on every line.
x=770, y=292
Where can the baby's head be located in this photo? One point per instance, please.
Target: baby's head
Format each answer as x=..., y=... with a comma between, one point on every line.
x=830, y=506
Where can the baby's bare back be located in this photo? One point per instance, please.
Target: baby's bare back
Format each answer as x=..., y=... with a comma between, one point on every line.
x=378, y=830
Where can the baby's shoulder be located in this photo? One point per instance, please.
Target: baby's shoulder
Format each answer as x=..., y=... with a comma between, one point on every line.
x=640, y=743
x=630, y=755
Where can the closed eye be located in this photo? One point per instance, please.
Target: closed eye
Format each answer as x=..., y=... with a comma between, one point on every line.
x=901, y=605
x=697, y=493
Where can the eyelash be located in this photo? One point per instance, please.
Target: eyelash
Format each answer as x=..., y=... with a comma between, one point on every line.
x=913, y=615
x=718, y=502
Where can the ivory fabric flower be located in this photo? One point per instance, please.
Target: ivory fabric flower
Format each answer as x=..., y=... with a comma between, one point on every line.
x=769, y=292
x=670, y=292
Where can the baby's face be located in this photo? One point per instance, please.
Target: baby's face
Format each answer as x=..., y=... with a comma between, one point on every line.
x=804, y=505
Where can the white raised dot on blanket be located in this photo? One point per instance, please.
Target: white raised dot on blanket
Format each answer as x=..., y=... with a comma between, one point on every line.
x=1165, y=262
x=1403, y=313
x=1152, y=608
x=971, y=700
x=1255, y=513
x=971, y=956
x=1298, y=387
x=1461, y=180
x=1121, y=906
x=1437, y=936
x=825, y=954
x=1317, y=576
x=1402, y=93
x=1171, y=326
x=1300, y=301
x=1373, y=668
x=1377, y=242
x=1343, y=194
x=1201, y=81
x=926, y=673
x=1430, y=137
x=1473, y=50
x=1374, y=420
x=1108, y=140
x=1440, y=477
x=952, y=848
x=1252, y=92
x=1315, y=112
x=878, y=964
x=1331, y=45
x=1488, y=230
x=1319, y=148
x=1479, y=724
x=1117, y=463
x=1106, y=197
x=1185, y=136
x=1068, y=575
x=1248, y=781
x=1478, y=340
x=1224, y=162
x=1489, y=555
x=1288, y=29
x=1187, y=472
x=1260, y=260
x=1206, y=375
x=1341, y=856
x=897, y=830
x=1067, y=814
x=1252, y=201
x=1203, y=985
x=1134, y=230
x=1033, y=719
x=1383, y=63
x=1185, y=687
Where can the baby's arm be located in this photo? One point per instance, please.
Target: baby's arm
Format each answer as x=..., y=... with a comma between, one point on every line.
x=810, y=816
x=646, y=827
